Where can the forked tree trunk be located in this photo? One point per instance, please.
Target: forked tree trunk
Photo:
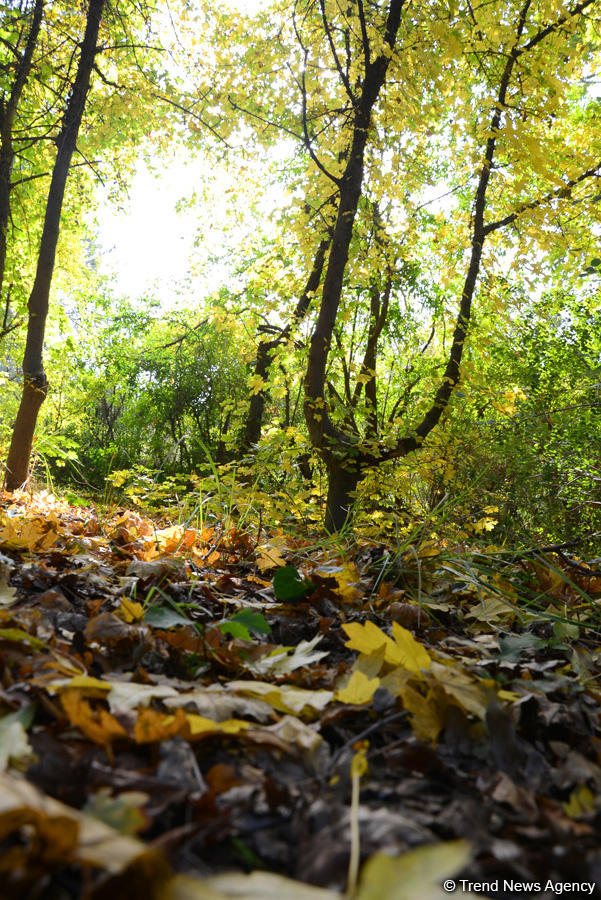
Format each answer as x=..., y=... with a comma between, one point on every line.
x=336, y=448
x=35, y=383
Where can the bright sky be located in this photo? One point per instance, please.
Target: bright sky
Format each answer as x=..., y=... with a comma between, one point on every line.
x=147, y=247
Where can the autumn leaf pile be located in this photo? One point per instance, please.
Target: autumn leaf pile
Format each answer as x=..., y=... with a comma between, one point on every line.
x=198, y=712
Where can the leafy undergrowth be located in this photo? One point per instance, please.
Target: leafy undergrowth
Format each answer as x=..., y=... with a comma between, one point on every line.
x=186, y=714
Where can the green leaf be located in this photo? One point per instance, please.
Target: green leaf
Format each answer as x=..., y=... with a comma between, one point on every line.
x=243, y=623
x=566, y=631
x=163, y=617
x=513, y=645
x=288, y=584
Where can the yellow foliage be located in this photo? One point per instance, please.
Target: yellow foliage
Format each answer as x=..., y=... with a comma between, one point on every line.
x=404, y=650
x=360, y=689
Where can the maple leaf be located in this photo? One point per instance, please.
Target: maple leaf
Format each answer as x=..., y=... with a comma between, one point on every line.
x=269, y=558
x=404, y=650
x=359, y=689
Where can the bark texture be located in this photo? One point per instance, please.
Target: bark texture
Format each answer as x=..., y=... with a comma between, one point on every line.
x=8, y=112
x=35, y=383
x=337, y=448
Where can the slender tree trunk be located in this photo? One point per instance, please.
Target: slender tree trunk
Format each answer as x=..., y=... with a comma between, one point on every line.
x=35, y=383
x=266, y=349
x=8, y=111
x=256, y=408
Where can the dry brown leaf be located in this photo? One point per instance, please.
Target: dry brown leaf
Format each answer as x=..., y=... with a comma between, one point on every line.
x=97, y=724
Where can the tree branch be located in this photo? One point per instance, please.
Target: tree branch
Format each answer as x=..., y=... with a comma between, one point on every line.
x=334, y=52
x=563, y=191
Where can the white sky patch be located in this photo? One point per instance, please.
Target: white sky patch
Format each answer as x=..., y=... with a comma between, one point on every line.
x=247, y=7
x=144, y=244
x=173, y=237
x=163, y=239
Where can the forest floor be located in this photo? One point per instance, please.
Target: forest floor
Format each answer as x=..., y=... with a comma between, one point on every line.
x=186, y=715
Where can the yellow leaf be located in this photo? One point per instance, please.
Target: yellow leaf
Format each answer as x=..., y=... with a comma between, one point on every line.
x=369, y=639
x=413, y=655
x=201, y=725
x=130, y=610
x=269, y=558
x=426, y=719
x=371, y=665
x=462, y=687
x=403, y=651
x=360, y=689
x=284, y=698
x=581, y=803
x=93, y=687
x=152, y=725
x=348, y=581
x=17, y=634
x=510, y=696
x=418, y=873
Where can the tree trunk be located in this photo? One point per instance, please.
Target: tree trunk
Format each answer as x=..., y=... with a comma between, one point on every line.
x=8, y=112
x=326, y=437
x=254, y=419
x=266, y=349
x=342, y=480
x=35, y=383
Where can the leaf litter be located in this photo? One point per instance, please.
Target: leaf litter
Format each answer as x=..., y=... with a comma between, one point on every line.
x=185, y=714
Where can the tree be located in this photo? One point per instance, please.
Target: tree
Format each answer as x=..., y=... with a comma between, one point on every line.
x=496, y=69
x=90, y=142
x=35, y=383
x=149, y=390
x=26, y=24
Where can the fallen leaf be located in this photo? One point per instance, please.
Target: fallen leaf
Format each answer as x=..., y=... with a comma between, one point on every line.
x=359, y=689
x=73, y=836
x=468, y=691
x=154, y=726
x=8, y=594
x=416, y=875
x=269, y=557
x=281, y=661
x=97, y=724
x=283, y=697
x=267, y=886
x=14, y=743
x=123, y=812
x=403, y=650
x=131, y=610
